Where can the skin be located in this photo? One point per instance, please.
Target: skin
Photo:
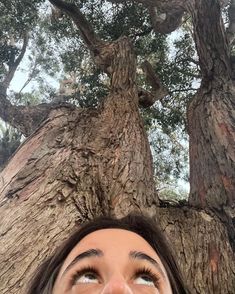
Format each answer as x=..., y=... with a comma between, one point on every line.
x=116, y=263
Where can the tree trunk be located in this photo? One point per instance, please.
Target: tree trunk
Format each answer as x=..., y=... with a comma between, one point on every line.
x=82, y=163
x=211, y=119
x=202, y=248
x=78, y=164
x=212, y=154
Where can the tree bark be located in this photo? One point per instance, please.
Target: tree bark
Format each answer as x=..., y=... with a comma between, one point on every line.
x=211, y=119
x=202, y=249
x=82, y=163
x=78, y=164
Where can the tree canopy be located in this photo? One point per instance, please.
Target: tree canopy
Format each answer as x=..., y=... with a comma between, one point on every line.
x=50, y=51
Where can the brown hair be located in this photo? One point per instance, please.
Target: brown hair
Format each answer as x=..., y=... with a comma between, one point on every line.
x=45, y=276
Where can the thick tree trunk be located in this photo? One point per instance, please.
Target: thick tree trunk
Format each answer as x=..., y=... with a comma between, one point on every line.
x=78, y=164
x=56, y=183
x=211, y=119
x=202, y=248
x=212, y=154
x=82, y=163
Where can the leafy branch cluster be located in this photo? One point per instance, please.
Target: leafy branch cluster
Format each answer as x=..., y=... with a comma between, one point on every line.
x=56, y=51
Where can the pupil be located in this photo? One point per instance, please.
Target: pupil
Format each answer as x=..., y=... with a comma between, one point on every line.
x=147, y=278
x=90, y=276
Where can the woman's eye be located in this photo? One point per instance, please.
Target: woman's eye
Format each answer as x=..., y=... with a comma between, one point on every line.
x=88, y=277
x=147, y=277
x=145, y=280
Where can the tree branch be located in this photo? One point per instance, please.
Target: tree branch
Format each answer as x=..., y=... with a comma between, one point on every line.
x=231, y=28
x=86, y=31
x=210, y=39
x=165, y=22
x=25, y=118
x=166, y=16
x=12, y=68
x=98, y=48
x=147, y=99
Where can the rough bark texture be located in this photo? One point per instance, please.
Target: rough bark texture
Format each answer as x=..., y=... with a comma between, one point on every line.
x=212, y=170
x=82, y=163
x=78, y=164
x=211, y=119
x=202, y=249
x=61, y=185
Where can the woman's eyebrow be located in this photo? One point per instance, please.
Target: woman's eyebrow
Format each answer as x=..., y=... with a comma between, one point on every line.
x=98, y=253
x=85, y=254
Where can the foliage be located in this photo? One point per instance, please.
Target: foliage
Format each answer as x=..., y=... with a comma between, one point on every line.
x=56, y=52
x=10, y=139
x=16, y=18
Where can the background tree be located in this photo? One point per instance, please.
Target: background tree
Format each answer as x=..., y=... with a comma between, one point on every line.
x=78, y=162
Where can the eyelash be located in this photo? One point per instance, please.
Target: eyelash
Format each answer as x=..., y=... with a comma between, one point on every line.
x=150, y=273
x=141, y=271
x=84, y=270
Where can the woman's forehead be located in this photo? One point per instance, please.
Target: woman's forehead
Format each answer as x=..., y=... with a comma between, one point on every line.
x=112, y=240
x=114, y=236
x=114, y=245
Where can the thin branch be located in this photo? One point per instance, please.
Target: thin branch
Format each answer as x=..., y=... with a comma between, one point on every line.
x=25, y=84
x=12, y=68
x=188, y=59
x=29, y=79
x=23, y=118
x=86, y=31
x=158, y=92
